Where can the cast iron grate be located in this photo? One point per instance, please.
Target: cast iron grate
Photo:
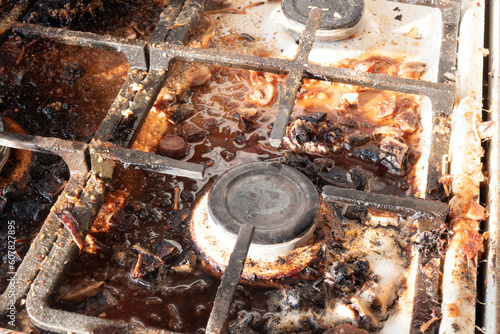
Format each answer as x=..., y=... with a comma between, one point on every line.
x=150, y=63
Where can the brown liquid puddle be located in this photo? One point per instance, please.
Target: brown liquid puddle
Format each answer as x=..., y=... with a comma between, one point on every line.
x=141, y=207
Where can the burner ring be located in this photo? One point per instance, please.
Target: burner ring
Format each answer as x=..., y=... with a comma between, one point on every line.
x=279, y=201
x=339, y=19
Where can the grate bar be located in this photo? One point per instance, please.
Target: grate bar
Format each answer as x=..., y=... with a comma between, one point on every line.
x=148, y=161
x=185, y=21
x=73, y=153
x=132, y=119
x=134, y=50
x=40, y=246
x=293, y=80
x=230, y=279
x=19, y=9
x=166, y=22
x=401, y=205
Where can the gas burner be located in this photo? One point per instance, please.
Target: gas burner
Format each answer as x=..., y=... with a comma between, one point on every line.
x=339, y=19
x=265, y=195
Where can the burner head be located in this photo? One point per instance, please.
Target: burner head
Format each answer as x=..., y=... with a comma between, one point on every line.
x=4, y=150
x=279, y=201
x=339, y=18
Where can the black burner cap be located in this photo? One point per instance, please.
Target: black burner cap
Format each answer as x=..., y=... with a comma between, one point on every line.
x=338, y=14
x=279, y=201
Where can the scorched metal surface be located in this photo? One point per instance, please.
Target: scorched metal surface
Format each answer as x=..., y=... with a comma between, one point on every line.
x=150, y=62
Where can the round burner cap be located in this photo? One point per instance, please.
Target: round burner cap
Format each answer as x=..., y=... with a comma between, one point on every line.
x=339, y=18
x=279, y=201
x=337, y=14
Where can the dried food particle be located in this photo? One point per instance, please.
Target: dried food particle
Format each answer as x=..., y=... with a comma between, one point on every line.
x=262, y=94
x=300, y=132
x=166, y=250
x=197, y=76
x=368, y=153
x=356, y=212
x=82, y=291
x=193, y=133
x=182, y=114
x=355, y=139
x=386, y=109
x=173, y=147
x=407, y=121
x=349, y=121
x=302, y=296
x=475, y=212
x=314, y=117
x=247, y=124
x=246, y=37
x=341, y=276
x=72, y=225
x=209, y=124
x=361, y=271
x=146, y=264
x=227, y=156
x=393, y=154
x=385, y=131
x=185, y=263
x=376, y=64
x=411, y=70
x=251, y=113
x=359, y=178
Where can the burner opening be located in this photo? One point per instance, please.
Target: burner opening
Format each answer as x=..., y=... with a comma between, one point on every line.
x=279, y=201
x=339, y=19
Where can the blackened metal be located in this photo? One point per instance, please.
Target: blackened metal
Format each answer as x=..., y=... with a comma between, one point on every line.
x=132, y=119
x=17, y=12
x=434, y=90
x=120, y=104
x=185, y=21
x=265, y=195
x=224, y=298
x=105, y=168
x=41, y=246
x=293, y=81
x=134, y=50
x=73, y=153
x=148, y=161
x=163, y=53
x=425, y=300
x=337, y=14
x=166, y=21
x=4, y=150
x=450, y=15
x=402, y=205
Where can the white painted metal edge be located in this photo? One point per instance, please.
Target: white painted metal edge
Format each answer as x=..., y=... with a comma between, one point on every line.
x=460, y=271
x=492, y=292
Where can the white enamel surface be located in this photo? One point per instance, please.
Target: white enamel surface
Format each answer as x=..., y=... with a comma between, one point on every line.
x=416, y=37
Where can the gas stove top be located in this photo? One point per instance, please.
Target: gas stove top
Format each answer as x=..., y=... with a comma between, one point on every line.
x=274, y=187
